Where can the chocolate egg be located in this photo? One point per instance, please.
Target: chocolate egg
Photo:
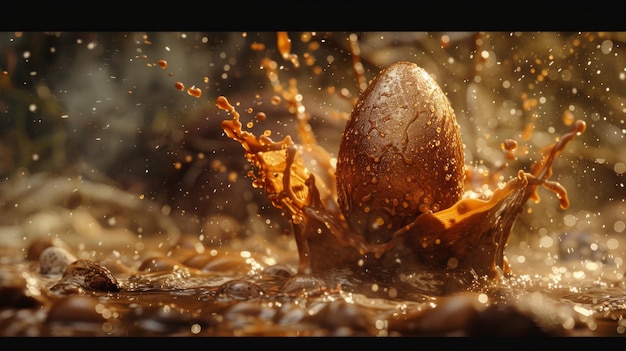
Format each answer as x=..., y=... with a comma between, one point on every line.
x=401, y=154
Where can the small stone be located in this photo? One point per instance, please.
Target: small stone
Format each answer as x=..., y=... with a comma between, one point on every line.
x=54, y=260
x=305, y=284
x=240, y=290
x=279, y=271
x=339, y=316
x=160, y=264
x=87, y=275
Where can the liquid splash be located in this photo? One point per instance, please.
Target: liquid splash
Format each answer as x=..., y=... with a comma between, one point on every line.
x=469, y=236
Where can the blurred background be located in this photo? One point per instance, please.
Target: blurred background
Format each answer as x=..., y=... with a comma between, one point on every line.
x=136, y=111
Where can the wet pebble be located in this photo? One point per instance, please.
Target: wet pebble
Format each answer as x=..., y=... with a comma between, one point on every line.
x=86, y=275
x=220, y=262
x=279, y=271
x=159, y=264
x=54, y=260
x=305, y=284
x=340, y=317
x=239, y=290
